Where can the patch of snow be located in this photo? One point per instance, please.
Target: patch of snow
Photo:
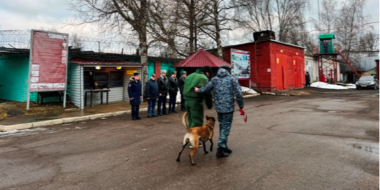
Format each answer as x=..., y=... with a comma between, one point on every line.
x=248, y=90
x=22, y=132
x=351, y=86
x=324, y=85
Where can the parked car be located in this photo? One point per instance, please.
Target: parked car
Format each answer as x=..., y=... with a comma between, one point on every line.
x=367, y=82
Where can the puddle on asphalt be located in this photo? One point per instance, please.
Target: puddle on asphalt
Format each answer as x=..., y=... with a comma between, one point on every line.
x=331, y=105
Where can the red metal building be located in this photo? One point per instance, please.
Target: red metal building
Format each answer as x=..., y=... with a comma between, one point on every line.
x=274, y=65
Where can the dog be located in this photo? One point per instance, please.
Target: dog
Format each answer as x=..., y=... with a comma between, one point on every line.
x=193, y=135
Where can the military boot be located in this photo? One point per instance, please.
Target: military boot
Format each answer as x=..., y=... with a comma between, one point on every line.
x=229, y=151
x=221, y=153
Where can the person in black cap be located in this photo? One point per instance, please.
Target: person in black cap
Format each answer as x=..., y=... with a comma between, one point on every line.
x=135, y=95
x=173, y=91
x=163, y=88
x=181, y=84
x=151, y=93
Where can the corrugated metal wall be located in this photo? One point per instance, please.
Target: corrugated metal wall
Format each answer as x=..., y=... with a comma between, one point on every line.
x=75, y=88
x=77, y=92
x=14, y=78
x=115, y=95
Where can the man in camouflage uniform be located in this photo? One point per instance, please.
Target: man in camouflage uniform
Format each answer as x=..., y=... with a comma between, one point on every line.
x=225, y=87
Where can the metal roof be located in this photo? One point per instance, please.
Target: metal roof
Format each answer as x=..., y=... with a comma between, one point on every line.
x=269, y=40
x=326, y=36
x=86, y=55
x=200, y=59
x=93, y=62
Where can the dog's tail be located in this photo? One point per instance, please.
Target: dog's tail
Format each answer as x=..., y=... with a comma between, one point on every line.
x=184, y=116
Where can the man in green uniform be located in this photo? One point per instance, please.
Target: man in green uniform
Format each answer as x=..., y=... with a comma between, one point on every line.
x=194, y=102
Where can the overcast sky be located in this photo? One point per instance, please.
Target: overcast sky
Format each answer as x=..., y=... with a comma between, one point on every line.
x=46, y=14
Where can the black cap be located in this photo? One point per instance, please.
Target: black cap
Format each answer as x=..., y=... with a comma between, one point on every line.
x=136, y=73
x=174, y=72
x=153, y=75
x=184, y=72
x=208, y=70
x=226, y=67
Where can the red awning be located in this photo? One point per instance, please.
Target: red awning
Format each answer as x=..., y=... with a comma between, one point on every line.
x=200, y=59
x=94, y=62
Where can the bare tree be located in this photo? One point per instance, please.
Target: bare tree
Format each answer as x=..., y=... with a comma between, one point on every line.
x=76, y=41
x=369, y=42
x=164, y=25
x=220, y=19
x=289, y=14
x=255, y=15
x=328, y=16
x=349, y=25
x=193, y=16
x=115, y=14
x=285, y=17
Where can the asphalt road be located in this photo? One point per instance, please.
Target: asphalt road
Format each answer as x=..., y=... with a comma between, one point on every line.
x=325, y=140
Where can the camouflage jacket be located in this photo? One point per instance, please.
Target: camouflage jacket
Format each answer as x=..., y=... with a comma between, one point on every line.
x=225, y=87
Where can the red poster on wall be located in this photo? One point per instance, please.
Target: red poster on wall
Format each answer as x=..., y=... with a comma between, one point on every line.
x=48, y=61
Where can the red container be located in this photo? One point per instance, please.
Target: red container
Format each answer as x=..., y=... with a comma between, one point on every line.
x=274, y=65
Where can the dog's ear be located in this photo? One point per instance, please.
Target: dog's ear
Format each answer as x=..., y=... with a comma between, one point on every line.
x=207, y=117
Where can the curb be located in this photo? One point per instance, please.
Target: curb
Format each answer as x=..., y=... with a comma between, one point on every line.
x=5, y=128
x=251, y=95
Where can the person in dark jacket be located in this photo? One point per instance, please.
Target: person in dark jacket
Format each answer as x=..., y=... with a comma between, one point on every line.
x=151, y=92
x=173, y=91
x=163, y=88
x=181, y=84
x=307, y=78
x=135, y=95
x=225, y=88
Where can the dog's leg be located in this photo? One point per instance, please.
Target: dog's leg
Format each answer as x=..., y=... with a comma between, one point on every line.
x=204, y=147
x=212, y=144
x=196, y=145
x=183, y=147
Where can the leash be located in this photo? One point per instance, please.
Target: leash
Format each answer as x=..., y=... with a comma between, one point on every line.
x=242, y=112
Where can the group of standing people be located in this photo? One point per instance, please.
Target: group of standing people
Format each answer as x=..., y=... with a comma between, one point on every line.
x=195, y=91
x=156, y=91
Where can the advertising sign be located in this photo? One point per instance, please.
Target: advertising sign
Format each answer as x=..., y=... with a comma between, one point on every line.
x=48, y=61
x=240, y=61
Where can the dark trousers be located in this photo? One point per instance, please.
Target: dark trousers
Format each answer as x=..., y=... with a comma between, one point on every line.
x=151, y=107
x=225, y=122
x=135, y=111
x=172, y=101
x=182, y=103
x=161, y=102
